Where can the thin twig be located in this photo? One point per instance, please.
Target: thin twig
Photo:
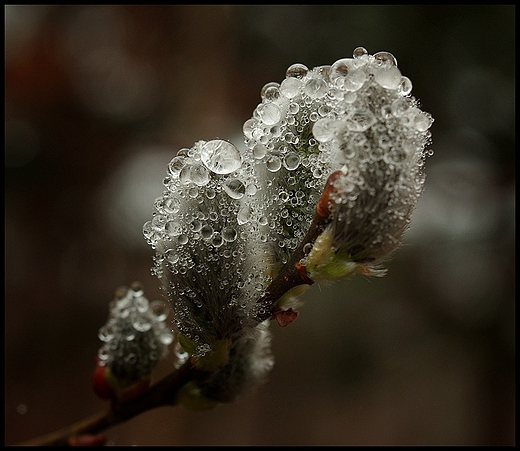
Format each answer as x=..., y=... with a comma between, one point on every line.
x=160, y=394
x=292, y=274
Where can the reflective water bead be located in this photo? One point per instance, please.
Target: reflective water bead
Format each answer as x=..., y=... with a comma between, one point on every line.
x=388, y=76
x=273, y=163
x=247, y=128
x=269, y=113
x=175, y=165
x=106, y=332
x=422, y=121
x=297, y=70
x=195, y=225
x=345, y=73
x=220, y=157
x=141, y=324
x=199, y=174
x=291, y=161
x=217, y=240
x=323, y=110
x=147, y=229
x=159, y=309
x=315, y=88
x=137, y=288
x=171, y=256
x=229, y=234
x=103, y=354
x=290, y=87
x=400, y=106
x=234, y=188
x=270, y=91
x=244, y=214
x=259, y=151
x=293, y=108
x=360, y=52
x=210, y=193
x=171, y=205
x=185, y=174
x=206, y=231
x=405, y=86
x=385, y=57
x=361, y=120
x=325, y=129
x=173, y=228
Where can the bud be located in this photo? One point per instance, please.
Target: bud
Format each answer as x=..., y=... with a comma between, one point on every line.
x=249, y=360
x=210, y=255
x=325, y=189
x=346, y=142
x=135, y=338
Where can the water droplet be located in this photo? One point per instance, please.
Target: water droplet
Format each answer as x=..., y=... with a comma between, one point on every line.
x=173, y=228
x=185, y=173
x=360, y=52
x=385, y=58
x=422, y=121
x=290, y=87
x=103, y=354
x=141, y=324
x=405, y=86
x=361, y=120
x=269, y=113
x=220, y=156
x=273, y=163
x=244, y=214
x=171, y=205
x=182, y=238
x=195, y=225
x=175, y=165
x=400, y=106
x=206, y=231
x=325, y=129
x=229, y=234
x=210, y=193
x=217, y=240
x=199, y=175
x=234, y=188
x=315, y=88
x=291, y=161
x=259, y=151
x=141, y=304
x=137, y=288
x=166, y=338
x=171, y=256
x=297, y=70
x=247, y=128
x=307, y=248
x=345, y=73
x=106, y=332
x=388, y=76
x=270, y=91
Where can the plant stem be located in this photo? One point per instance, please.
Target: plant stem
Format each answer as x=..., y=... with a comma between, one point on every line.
x=292, y=274
x=160, y=394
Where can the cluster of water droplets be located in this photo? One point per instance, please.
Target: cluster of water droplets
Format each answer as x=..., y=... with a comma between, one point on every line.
x=357, y=114
x=210, y=242
x=136, y=336
x=228, y=220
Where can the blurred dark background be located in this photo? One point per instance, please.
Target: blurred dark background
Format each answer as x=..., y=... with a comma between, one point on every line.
x=98, y=99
